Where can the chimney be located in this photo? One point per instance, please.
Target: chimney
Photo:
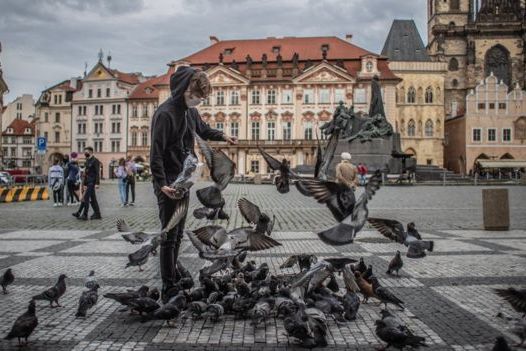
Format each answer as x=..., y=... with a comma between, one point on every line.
x=348, y=37
x=213, y=40
x=73, y=82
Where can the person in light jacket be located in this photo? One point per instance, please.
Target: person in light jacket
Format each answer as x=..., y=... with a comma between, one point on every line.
x=122, y=174
x=55, y=180
x=346, y=171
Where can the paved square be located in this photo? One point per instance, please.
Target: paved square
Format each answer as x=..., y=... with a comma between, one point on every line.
x=449, y=294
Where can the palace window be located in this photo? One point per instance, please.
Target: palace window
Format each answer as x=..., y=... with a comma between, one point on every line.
x=220, y=98
x=81, y=128
x=453, y=64
x=90, y=93
x=115, y=127
x=411, y=128
x=97, y=145
x=46, y=116
x=339, y=95
x=144, y=110
x=255, y=97
x=360, y=96
x=99, y=93
x=57, y=137
x=411, y=95
x=369, y=66
x=254, y=166
x=255, y=131
x=134, y=138
x=429, y=95
x=234, y=97
x=220, y=126
x=81, y=145
x=477, y=134
x=206, y=101
x=506, y=134
x=324, y=96
x=134, y=111
x=57, y=117
x=271, y=130
x=492, y=134
x=286, y=96
x=144, y=138
x=115, y=146
x=271, y=97
x=429, y=128
x=308, y=96
x=234, y=129
x=287, y=131
x=308, y=131
x=107, y=92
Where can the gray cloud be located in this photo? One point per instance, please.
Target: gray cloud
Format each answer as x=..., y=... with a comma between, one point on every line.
x=48, y=41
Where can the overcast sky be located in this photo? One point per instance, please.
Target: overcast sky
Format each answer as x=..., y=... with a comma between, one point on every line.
x=46, y=41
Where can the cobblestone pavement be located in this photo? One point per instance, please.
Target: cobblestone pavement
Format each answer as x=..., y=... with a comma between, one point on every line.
x=449, y=294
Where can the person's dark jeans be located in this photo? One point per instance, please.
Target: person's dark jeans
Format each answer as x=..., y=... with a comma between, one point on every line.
x=130, y=186
x=57, y=196
x=72, y=195
x=90, y=197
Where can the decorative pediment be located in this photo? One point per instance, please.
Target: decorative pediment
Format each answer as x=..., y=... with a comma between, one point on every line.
x=271, y=114
x=206, y=116
x=308, y=116
x=99, y=72
x=221, y=76
x=234, y=116
x=324, y=115
x=255, y=116
x=287, y=116
x=220, y=117
x=324, y=73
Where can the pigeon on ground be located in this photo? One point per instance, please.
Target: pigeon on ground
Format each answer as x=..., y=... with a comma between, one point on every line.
x=24, y=325
x=253, y=215
x=285, y=173
x=351, y=304
x=140, y=257
x=7, y=279
x=501, y=344
x=125, y=297
x=222, y=170
x=516, y=298
x=366, y=289
x=399, y=338
x=396, y=264
x=54, y=293
x=385, y=295
x=87, y=300
x=304, y=261
x=394, y=231
x=368, y=273
x=214, y=312
x=197, y=309
x=391, y=320
x=309, y=326
x=261, y=311
x=168, y=312
x=90, y=280
x=361, y=266
x=143, y=305
x=344, y=232
x=154, y=294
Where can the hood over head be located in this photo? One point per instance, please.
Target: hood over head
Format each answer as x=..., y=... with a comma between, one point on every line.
x=179, y=82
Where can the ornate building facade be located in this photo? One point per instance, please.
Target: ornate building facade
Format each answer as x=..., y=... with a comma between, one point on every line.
x=53, y=120
x=99, y=116
x=18, y=145
x=493, y=127
x=277, y=92
x=420, y=111
x=476, y=38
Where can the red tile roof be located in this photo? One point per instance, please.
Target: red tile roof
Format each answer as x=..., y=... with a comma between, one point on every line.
x=19, y=126
x=130, y=78
x=147, y=89
x=308, y=48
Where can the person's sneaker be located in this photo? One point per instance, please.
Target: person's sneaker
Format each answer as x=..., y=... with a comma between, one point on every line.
x=123, y=205
x=76, y=214
x=83, y=218
x=96, y=216
x=55, y=205
x=131, y=204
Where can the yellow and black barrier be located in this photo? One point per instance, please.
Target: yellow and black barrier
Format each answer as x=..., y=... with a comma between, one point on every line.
x=24, y=193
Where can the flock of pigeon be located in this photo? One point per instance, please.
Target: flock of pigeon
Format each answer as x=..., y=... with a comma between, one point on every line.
x=232, y=284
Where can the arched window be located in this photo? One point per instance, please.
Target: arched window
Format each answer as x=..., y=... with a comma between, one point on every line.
x=498, y=61
x=411, y=128
x=429, y=128
x=134, y=138
x=453, y=64
x=429, y=95
x=411, y=95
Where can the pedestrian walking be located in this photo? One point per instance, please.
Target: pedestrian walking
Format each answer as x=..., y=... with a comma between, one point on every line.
x=131, y=170
x=122, y=175
x=90, y=183
x=73, y=182
x=346, y=171
x=65, y=192
x=362, y=173
x=173, y=126
x=56, y=182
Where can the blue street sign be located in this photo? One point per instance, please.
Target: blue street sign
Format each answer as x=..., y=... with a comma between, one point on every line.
x=41, y=145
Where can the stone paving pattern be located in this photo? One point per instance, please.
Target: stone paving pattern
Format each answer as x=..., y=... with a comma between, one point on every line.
x=449, y=294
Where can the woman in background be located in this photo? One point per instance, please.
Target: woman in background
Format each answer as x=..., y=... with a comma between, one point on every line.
x=56, y=182
x=122, y=175
x=72, y=181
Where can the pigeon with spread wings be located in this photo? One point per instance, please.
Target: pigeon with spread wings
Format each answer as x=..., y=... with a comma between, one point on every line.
x=283, y=179
x=356, y=215
x=394, y=230
x=254, y=216
x=222, y=170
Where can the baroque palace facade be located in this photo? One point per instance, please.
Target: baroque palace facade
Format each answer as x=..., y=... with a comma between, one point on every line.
x=277, y=92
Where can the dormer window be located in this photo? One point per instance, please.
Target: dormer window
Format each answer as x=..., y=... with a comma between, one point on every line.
x=325, y=47
x=10, y=130
x=369, y=66
x=276, y=50
x=228, y=51
x=27, y=131
x=148, y=90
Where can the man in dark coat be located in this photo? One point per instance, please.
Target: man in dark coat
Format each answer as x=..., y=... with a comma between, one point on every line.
x=90, y=183
x=173, y=127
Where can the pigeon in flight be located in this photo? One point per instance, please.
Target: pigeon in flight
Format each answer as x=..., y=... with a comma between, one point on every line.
x=24, y=325
x=317, y=274
x=253, y=215
x=285, y=173
x=344, y=232
x=394, y=231
x=54, y=293
x=7, y=279
x=140, y=257
x=516, y=298
x=304, y=261
x=222, y=170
